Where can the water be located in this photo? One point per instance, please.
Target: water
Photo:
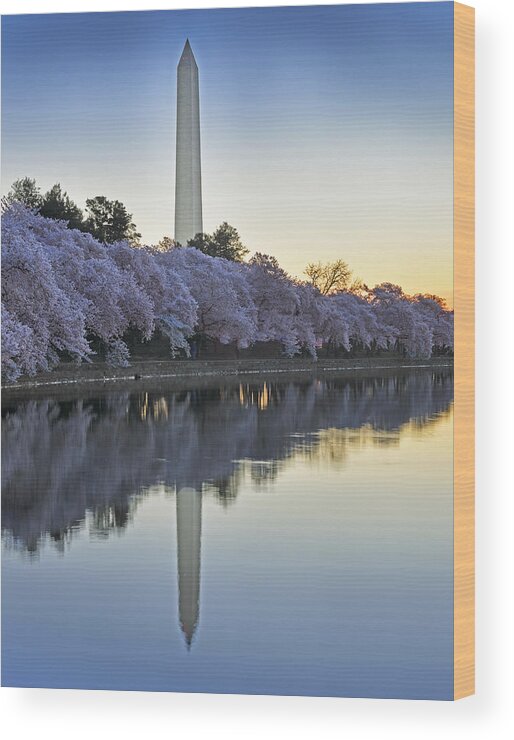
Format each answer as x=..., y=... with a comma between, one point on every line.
x=267, y=537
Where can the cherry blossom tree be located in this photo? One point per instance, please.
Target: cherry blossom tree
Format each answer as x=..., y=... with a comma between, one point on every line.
x=225, y=310
x=333, y=329
x=434, y=312
x=65, y=293
x=34, y=298
x=400, y=321
x=19, y=354
x=276, y=301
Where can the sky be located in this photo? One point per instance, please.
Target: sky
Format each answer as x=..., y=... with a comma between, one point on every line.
x=327, y=131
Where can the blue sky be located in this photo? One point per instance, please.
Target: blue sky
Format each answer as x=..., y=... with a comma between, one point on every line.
x=327, y=131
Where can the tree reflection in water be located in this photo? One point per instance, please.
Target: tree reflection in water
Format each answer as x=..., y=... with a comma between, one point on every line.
x=68, y=462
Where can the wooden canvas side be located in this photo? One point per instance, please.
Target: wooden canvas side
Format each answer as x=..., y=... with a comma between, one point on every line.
x=464, y=287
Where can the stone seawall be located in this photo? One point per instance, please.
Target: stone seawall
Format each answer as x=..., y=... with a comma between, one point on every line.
x=99, y=374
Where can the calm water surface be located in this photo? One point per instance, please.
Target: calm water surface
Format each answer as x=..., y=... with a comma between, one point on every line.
x=289, y=538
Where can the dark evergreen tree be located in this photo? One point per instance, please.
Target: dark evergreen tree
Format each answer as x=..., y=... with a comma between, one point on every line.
x=224, y=242
x=109, y=221
x=58, y=205
x=24, y=190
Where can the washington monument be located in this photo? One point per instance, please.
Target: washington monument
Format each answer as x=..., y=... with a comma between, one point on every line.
x=188, y=178
x=189, y=530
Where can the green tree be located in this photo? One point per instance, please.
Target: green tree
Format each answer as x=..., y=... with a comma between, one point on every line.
x=109, y=221
x=58, y=205
x=25, y=190
x=224, y=242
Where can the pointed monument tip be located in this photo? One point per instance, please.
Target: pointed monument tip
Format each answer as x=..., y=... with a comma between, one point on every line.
x=187, y=52
x=188, y=632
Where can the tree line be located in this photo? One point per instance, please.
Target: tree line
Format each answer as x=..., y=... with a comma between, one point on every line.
x=67, y=295
x=110, y=222
x=106, y=220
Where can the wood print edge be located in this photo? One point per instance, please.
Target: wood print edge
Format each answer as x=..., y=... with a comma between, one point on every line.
x=464, y=302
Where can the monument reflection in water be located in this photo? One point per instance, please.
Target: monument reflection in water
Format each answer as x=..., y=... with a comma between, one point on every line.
x=327, y=569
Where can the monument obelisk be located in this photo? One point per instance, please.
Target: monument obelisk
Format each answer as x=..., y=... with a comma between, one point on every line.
x=189, y=532
x=188, y=178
